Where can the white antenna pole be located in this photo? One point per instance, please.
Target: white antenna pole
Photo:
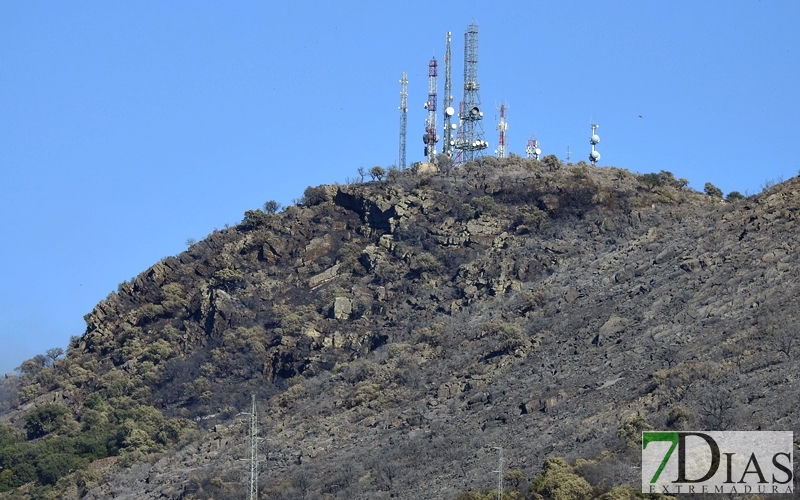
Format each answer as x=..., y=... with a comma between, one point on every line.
x=594, y=155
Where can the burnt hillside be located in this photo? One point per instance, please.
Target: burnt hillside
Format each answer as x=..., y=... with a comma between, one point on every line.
x=396, y=331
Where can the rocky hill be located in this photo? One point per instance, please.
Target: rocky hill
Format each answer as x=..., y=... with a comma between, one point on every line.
x=396, y=332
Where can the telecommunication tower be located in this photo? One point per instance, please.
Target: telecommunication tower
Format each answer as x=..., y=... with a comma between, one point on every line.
x=594, y=140
x=472, y=141
x=403, y=119
x=568, y=155
x=449, y=142
x=430, y=138
x=532, y=149
x=502, y=126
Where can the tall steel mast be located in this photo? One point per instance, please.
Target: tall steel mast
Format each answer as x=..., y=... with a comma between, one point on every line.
x=403, y=119
x=473, y=141
x=430, y=138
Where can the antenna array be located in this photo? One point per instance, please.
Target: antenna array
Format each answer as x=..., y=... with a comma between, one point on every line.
x=430, y=138
x=403, y=119
x=471, y=141
x=594, y=156
x=532, y=148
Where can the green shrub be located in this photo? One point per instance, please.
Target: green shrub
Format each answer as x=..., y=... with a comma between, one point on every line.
x=485, y=205
x=531, y=217
x=558, y=481
x=254, y=218
x=314, y=196
x=227, y=278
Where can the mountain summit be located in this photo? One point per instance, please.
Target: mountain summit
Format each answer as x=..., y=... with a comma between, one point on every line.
x=397, y=332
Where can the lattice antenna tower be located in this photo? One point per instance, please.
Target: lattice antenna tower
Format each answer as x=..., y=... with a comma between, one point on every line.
x=473, y=142
x=253, y=445
x=430, y=138
x=594, y=140
x=447, y=100
x=403, y=118
x=502, y=126
x=499, y=472
x=532, y=148
x=568, y=155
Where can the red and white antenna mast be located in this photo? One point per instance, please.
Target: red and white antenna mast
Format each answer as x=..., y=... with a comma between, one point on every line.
x=430, y=138
x=502, y=126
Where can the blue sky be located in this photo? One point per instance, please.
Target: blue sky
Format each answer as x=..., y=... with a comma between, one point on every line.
x=128, y=127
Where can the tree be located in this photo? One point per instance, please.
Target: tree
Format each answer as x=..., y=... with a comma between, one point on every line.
x=712, y=190
x=54, y=354
x=190, y=241
x=734, y=195
x=272, y=207
x=362, y=173
x=377, y=173
x=45, y=419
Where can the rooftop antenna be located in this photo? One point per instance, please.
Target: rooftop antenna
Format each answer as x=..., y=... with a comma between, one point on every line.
x=430, y=138
x=594, y=156
x=499, y=472
x=532, y=149
x=403, y=118
x=254, y=439
x=502, y=126
x=472, y=142
x=449, y=142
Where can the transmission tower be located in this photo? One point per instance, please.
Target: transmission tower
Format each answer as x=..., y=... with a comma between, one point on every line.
x=253, y=445
x=430, y=138
x=499, y=472
x=472, y=143
x=532, y=149
x=502, y=126
x=594, y=140
x=449, y=142
x=403, y=118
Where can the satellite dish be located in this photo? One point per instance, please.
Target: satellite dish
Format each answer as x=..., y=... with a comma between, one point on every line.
x=539, y=151
x=425, y=105
x=475, y=111
x=594, y=155
x=449, y=111
x=594, y=139
x=453, y=126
